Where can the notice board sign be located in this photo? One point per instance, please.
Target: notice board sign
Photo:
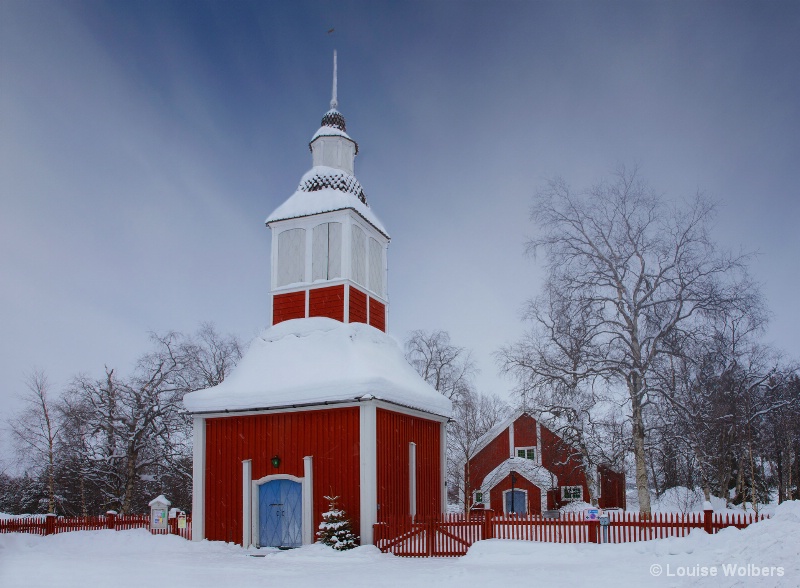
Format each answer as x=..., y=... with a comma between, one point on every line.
x=591, y=514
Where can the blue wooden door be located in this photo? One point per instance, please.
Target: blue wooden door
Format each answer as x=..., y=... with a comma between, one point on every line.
x=516, y=502
x=280, y=514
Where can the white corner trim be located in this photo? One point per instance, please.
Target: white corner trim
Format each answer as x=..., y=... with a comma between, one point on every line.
x=247, y=479
x=412, y=479
x=308, y=500
x=198, y=478
x=368, y=470
x=511, y=440
x=443, y=465
x=538, y=443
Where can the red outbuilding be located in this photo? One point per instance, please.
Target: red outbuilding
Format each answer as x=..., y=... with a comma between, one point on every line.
x=323, y=403
x=521, y=466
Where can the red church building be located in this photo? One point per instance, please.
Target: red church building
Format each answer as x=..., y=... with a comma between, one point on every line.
x=521, y=466
x=323, y=403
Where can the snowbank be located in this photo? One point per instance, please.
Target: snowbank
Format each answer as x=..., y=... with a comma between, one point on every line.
x=317, y=361
x=686, y=500
x=766, y=554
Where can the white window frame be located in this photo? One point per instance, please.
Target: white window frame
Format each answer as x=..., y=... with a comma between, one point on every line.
x=526, y=449
x=564, y=491
x=475, y=494
x=291, y=257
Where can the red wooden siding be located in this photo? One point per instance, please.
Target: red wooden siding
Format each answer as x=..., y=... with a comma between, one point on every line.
x=288, y=306
x=331, y=437
x=358, y=306
x=377, y=314
x=561, y=459
x=488, y=458
x=394, y=433
x=327, y=302
x=534, y=494
x=557, y=456
x=525, y=431
x=612, y=488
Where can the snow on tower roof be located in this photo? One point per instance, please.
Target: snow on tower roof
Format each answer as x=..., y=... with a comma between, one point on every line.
x=319, y=360
x=325, y=189
x=331, y=131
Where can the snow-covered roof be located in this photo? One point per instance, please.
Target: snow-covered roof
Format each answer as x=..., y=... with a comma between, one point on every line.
x=317, y=361
x=329, y=131
x=528, y=468
x=160, y=499
x=325, y=189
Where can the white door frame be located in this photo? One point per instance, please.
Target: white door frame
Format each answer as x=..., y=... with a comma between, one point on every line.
x=306, y=498
x=524, y=491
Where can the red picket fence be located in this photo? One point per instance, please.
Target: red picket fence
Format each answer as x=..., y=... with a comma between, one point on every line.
x=51, y=524
x=452, y=534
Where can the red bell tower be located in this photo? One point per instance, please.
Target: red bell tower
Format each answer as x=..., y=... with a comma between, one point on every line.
x=328, y=247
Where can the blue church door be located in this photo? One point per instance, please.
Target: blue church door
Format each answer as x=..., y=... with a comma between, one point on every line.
x=516, y=502
x=280, y=514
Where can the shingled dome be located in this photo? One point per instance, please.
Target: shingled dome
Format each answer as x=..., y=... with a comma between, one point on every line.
x=335, y=179
x=325, y=189
x=333, y=118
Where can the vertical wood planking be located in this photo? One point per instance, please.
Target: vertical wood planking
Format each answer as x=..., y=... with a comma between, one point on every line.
x=288, y=306
x=358, y=306
x=330, y=436
x=394, y=432
x=327, y=302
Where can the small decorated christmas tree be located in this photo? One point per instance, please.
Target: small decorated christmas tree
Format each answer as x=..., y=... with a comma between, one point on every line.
x=335, y=529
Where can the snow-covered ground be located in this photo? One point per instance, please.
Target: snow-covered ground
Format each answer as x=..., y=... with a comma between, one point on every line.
x=770, y=549
x=684, y=500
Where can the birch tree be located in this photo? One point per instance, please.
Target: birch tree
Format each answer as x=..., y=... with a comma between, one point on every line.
x=474, y=415
x=447, y=367
x=559, y=372
x=647, y=267
x=36, y=431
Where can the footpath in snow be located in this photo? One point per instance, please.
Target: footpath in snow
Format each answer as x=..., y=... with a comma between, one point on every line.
x=766, y=554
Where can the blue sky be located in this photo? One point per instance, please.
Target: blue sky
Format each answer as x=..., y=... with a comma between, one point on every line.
x=143, y=143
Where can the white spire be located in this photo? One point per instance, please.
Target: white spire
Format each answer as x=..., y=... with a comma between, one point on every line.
x=334, y=101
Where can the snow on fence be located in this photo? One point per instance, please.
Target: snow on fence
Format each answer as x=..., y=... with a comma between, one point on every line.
x=451, y=535
x=51, y=524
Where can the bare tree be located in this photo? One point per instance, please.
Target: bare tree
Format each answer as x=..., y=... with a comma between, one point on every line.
x=647, y=270
x=474, y=415
x=133, y=431
x=558, y=369
x=36, y=431
x=446, y=367
x=210, y=357
x=450, y=369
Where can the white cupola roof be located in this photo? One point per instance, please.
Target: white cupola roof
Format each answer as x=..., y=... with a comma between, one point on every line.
x=330, y=185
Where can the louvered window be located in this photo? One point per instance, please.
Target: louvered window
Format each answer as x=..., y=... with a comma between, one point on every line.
x=359, y=257
x=326, y=251
x=291, y=256
x=375, y=267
